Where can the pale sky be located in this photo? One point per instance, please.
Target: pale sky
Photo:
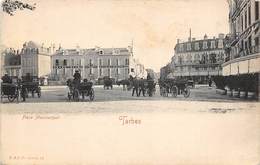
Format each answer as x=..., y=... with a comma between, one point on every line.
x=153, y=25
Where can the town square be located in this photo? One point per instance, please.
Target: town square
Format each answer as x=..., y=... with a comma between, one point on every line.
x=130, y=82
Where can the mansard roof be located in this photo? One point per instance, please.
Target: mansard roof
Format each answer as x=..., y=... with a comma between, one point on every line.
x=94, y=51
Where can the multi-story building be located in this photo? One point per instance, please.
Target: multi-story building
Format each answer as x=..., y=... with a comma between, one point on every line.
x=11, y=62
x=243, y=47
x=95, y=63
x=36, y=59
x=165, y=71
x=198, y=59
x=243, y=50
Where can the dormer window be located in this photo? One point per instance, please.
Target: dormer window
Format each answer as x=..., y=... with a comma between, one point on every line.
x=181, y=47
x=189, y=47
x=205, y=45
x=213, y=44
x=101, y=52
x=220, y=43
x=116, y=51
x=197, y=46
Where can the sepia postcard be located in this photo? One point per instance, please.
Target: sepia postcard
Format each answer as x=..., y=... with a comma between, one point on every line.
x=130, y=82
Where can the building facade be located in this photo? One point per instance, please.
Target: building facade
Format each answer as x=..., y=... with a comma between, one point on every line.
x=242, y=64
x=243, y=49
x=165, y=71
x=36, y=59
x=198, y=59
x=11, y=62
x=95, y=63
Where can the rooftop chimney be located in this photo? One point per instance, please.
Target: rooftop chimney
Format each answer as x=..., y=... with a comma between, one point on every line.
x=205, y=37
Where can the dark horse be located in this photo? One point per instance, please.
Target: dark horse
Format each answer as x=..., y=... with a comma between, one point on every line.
x=108, y=83
x=126, y=84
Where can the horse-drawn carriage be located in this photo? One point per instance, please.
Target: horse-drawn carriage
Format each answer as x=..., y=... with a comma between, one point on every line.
x=77, y=89
x=31, y=86
x=9, y=91
x=108, y=83
x=174, y=87
x=150, y=87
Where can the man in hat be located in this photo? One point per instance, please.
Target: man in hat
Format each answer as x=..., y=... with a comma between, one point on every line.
x=142, y=87
x=6, y=79
x=77, y=76
x=135, y=87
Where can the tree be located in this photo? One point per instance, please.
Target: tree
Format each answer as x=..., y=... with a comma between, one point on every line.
x=10, y=6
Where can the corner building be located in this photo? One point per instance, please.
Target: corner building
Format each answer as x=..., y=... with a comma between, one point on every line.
x=198, y=59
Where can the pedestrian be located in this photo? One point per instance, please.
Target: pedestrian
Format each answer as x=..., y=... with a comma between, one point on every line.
x=142, y=87
x=210, y=82
x=135, y=87
x=6, y=79
x=77, y=76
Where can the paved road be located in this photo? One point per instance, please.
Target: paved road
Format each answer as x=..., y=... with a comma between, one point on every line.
x=204, y=129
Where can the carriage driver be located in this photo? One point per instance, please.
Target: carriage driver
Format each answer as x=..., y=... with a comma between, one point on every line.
x=77, y=76
x=6, y=79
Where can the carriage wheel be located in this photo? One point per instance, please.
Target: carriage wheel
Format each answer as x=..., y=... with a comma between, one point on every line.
x=76, y=95
x=174, y=91
x=91, y=94
x=11, y=98
x=186, y=92
x=150, y=93
x=24, y=98
x=83, y=95
x=39, y=92
x=69, y=96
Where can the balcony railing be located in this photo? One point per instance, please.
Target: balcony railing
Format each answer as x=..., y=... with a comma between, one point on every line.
x=246, y=52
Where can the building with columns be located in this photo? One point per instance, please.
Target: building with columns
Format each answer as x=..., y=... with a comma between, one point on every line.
x=95, y=63
x=198, y=59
